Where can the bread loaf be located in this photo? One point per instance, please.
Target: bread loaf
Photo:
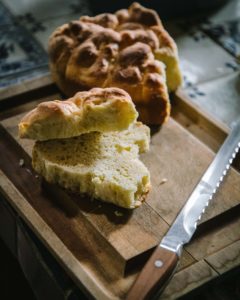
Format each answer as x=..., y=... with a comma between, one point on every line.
x=100, y=110
x=129, y=49
x=105, y=166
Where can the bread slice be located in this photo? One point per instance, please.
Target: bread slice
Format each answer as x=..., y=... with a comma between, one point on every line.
x=105, y=166
x=99, y=109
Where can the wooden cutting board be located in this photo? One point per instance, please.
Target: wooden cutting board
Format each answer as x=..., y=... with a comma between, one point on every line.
x=103, y=246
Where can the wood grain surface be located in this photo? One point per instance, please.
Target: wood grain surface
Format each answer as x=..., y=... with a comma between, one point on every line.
x=105, y=252
x=155, y=274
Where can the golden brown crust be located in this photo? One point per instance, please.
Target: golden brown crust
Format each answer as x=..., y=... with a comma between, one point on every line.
x=95, y=110
x=118, y=50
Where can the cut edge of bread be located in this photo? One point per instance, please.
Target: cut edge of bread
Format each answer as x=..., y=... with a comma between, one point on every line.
x=112, y=176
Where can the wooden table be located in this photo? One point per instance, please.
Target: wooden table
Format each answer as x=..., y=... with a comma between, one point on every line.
x=101, y=252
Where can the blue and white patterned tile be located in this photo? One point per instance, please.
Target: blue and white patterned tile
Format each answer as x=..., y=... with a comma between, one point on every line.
x=18, y=51
x=229, y=11
x=30, y=11
x=24, y=76
x=201, y=59
x=43, y=32
x=220, y=98
x=5, y=16
x=227, y=34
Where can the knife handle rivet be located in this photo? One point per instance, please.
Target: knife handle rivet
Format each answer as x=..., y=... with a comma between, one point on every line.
x=158, y=263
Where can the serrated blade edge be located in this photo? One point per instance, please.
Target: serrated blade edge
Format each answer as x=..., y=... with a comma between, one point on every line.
x=185, y=224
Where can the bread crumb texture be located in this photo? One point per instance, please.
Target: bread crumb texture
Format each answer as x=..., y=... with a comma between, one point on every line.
x=105, y=166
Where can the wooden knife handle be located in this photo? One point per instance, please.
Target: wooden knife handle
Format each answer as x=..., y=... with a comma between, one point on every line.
x=154, y=275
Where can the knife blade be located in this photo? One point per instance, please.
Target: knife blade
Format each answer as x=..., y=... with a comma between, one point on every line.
x=162, y=263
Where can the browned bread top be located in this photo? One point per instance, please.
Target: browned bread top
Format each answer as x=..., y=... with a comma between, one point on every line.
x=122, y=50
x=99, y=109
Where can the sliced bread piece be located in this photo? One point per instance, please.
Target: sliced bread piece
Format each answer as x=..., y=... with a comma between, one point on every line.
x=99, y=109
x=105, y=166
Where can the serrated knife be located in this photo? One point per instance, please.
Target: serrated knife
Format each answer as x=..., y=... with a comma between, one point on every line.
x=162, y=263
